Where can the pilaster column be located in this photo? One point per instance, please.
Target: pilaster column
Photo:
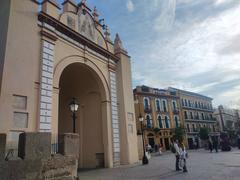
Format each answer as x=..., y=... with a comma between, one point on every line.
x=46, y=86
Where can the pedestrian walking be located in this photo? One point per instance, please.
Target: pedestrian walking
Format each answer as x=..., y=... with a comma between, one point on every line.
x=215, y=144
x=183, y=156
x=160, y=149
x=210, y=144
x=175, y=149
x=156, y=147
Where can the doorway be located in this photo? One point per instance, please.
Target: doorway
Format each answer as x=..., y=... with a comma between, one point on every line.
x=166, y=141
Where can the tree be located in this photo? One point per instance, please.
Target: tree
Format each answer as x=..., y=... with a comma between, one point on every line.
x=203, y=133
x=179, y=133
x=156, y=130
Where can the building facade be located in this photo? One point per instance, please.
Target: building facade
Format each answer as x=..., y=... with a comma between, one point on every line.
x=47, y=57
x=197, y=112
x=161, y=112
x=227, y=118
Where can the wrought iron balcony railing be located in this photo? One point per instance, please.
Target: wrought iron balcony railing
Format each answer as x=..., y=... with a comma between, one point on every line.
x=147, y=110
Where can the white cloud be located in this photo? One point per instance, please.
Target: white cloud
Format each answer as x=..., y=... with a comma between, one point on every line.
x=130, y=6
x=231, y=97
x=166, y=18
x=190, y=51
x=219, y=2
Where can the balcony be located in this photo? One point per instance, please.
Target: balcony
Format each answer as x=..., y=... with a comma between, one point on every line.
x=148, y=127
x=192, y=130
x=148, y=110
x=196, y=117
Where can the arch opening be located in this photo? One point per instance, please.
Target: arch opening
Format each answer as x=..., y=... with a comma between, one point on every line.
x=81, y=82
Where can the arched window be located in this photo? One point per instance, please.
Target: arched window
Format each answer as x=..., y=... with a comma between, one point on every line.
x=146, y=103
x=149, y=121
x=167, y=122
x=157, y=104
x=164, y=105
x=176, y=121
x=160, y=121
x=174, y=104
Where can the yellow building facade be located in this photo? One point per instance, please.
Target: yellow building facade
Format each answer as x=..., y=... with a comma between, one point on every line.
x=60, y=52
x=197, y=112
x=161, y=112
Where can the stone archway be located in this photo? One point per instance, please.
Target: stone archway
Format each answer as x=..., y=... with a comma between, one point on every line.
x=82, y=82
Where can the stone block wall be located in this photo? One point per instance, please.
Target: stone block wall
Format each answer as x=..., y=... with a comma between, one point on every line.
x=69, y=144
x=35, y=160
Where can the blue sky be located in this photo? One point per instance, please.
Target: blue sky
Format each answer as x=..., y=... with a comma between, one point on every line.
x=189, y=44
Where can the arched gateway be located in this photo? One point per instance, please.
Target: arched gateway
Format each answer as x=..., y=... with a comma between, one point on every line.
x=69, y=54
x=88, y=86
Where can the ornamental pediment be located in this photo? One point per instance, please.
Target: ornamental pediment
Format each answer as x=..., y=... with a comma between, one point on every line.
x=86, y=26
x=86, y=23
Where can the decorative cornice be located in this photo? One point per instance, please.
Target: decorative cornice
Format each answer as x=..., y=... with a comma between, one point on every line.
x=121, y=51
x=48, y=35
x=156, y=95
x=200, y=121
x=45, y=18
x=112, y=67
x=198, y=109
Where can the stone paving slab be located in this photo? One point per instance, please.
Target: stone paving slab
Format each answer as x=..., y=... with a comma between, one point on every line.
x=202, y=165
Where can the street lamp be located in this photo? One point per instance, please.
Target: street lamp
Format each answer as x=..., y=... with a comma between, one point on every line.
x=74, y=107
x=144, y=159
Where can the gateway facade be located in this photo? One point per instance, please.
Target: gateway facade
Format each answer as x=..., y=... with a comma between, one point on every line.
x=51, y=56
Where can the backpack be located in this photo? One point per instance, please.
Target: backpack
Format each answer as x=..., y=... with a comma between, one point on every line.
x=173, y=149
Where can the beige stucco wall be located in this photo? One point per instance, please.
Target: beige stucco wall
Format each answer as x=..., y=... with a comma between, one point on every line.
x=21, y=67
x=4, y=17
x=128, y=139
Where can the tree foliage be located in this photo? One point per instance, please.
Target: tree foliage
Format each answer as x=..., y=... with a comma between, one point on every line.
x=179, y=133
x=203, y=133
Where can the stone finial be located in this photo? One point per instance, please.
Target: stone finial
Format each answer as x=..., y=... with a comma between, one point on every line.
x=118, y=43
x=118, y=47
x=84, y=2
x=82, y=7
x=95, y=14
x=107, y=34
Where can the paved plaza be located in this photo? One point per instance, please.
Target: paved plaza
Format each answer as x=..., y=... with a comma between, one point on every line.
x=202, y=165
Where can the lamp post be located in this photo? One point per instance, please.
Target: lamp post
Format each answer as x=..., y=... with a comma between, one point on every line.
x=74, y=107
x=144, y=159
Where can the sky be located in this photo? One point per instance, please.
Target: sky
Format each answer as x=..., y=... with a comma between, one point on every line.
x=193, y=45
